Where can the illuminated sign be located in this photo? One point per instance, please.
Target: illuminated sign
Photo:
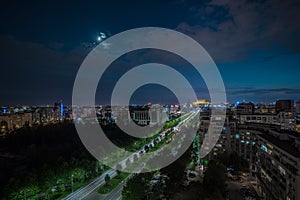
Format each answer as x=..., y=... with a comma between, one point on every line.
x=61, y=109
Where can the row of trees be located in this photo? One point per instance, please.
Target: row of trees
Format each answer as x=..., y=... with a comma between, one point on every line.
x=214, y=186
x=138, y=186
x=53, y=183
x=54, y=162
x=214, y=182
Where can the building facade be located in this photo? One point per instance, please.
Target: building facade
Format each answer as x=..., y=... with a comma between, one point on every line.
x=278, y=163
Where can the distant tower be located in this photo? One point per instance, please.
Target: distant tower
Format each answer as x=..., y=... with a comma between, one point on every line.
x=61, y=109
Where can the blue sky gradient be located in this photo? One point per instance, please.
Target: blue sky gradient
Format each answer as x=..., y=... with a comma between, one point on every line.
x=255, y=45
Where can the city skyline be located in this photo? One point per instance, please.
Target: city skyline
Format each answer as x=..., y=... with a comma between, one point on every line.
x=127, y=100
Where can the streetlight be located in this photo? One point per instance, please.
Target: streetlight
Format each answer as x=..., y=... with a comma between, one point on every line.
x=72, y=182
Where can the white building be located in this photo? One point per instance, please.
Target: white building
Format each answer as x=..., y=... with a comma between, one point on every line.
x=286, y=120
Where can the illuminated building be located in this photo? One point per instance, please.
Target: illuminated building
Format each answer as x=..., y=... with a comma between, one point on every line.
x=285, y=120
x=245, y=108
x=298, y=116
x=143, y=115
x=14, y=121
x=278, y=163
x=201, y=103
x=243, y=142
x=17, y=117
x=274, y=159
x=226, y=129
x=298, y=107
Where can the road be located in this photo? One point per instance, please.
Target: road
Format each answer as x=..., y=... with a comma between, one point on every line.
x=92, y=186
x=90, y=191
x=116, y=194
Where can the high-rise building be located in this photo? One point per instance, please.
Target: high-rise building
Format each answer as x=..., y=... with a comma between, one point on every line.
x=298, y=116
x=287, y=120
x=278, y=163
x=284, y=105
x=226, y=129
x=298, y=111
x=284, y=118
x=243, y=142
x=274, y=159
x=245, y=108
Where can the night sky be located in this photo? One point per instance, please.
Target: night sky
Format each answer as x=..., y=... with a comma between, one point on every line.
x=255, y=44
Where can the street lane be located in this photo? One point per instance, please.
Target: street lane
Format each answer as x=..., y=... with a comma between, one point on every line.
x=96, y=183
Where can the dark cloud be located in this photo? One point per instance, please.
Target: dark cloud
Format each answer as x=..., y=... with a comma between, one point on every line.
x=42, y=45
x=34, y=72
x=264, y=94
x=264, y=91
x=56, y=45
x=37, y=54
x=243, y=26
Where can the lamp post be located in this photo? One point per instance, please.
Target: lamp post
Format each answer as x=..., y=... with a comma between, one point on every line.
x=72, y=182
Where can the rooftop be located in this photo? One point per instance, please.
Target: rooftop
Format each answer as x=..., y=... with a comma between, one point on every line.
x=286, y=145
